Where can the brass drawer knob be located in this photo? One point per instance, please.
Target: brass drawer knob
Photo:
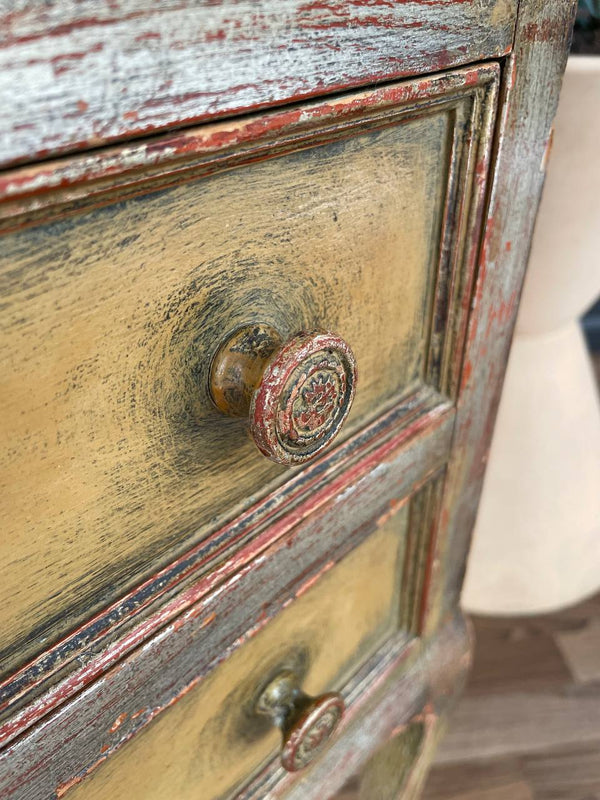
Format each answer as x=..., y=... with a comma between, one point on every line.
x=296, y=394
x=306, y=723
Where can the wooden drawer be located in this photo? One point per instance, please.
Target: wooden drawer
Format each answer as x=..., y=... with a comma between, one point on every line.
x=359, y=215
x=213, y=740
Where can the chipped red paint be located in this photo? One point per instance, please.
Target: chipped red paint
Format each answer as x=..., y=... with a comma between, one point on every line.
x=521, y=148
x=64, y=787
x=466, y=374
x=317, y=724
x=313, y=579
x=393, y=508
x=288, y=421
x=502, y=314
x=33, y=188
x=544, y=31
x=179, y=65
x=532, y=78
x=471, y=80
x=401, y=705
x=118, y=722
x=247, y=525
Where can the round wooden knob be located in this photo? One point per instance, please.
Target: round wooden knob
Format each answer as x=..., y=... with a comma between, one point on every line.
x=296, y=394
x=306, y=723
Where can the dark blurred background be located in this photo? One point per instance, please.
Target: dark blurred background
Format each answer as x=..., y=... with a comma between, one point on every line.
x=586, y=41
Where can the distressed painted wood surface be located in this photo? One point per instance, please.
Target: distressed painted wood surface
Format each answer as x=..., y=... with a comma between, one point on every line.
x=88, y=651
x=266, y=576
x=45, y=760
x=212, y=739
x=532, y=81
x=55, y=188
x=113, y=451
x=96, y=72
x=420, y=687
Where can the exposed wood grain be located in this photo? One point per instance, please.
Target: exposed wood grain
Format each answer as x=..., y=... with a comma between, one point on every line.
x=52, y=188
x=116, y=350
x=114, y=452
x=48, y=759
x=67, y=744
x=211, y=740
x=97, y=72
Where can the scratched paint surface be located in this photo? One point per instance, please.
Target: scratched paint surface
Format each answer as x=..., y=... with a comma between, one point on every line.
x=113, y=456
x=98, y=71
x=533, y=78
x=210, y=740
x=533, y=81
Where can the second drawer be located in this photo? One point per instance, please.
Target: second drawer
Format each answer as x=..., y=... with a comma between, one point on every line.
x=213, y=739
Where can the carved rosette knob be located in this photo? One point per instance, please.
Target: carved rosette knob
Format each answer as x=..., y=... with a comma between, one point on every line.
x=306, y=723
x=296, y=394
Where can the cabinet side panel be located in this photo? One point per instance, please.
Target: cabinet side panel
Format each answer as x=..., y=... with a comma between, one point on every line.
x=531, y=86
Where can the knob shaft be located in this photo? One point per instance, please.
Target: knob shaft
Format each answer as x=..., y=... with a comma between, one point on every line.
x=296, y=395
x=306, y=723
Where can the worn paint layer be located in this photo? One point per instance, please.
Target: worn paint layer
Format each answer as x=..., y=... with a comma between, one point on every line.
x=96, y=72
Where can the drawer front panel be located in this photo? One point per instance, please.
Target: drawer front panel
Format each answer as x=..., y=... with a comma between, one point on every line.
x=211, y=740
x=114, y=458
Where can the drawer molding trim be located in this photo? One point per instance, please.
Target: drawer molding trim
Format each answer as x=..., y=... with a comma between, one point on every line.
x=37, y=761
x=54, y=189
x=408, y=684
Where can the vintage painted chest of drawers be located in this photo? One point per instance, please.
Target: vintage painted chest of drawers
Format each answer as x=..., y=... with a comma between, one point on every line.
x=260, y=263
